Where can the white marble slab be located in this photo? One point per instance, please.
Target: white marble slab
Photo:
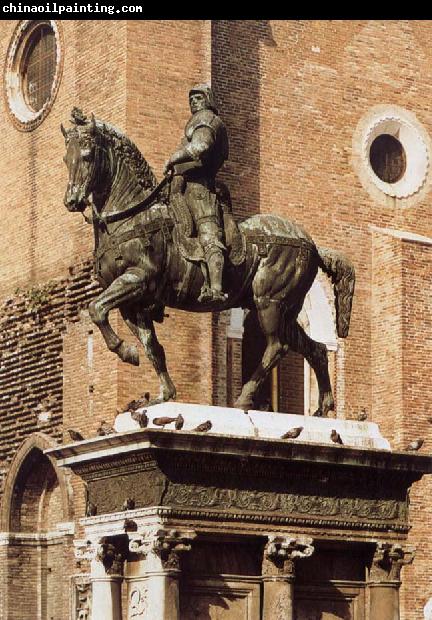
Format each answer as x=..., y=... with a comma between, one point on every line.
x=225, y=420
x=318, y=430
x=262, y=424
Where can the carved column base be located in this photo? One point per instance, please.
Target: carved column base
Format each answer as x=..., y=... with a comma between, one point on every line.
x=278, y=599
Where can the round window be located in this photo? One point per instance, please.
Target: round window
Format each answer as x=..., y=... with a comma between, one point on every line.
x=391, y=152
x=32, y=72
x=387, y=158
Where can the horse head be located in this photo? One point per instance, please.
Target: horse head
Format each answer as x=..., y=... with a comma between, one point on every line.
x=81, y=160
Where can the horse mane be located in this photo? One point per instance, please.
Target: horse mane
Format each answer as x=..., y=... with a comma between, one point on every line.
x=125, y=148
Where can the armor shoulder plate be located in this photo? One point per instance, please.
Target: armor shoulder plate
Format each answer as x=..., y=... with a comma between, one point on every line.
x=203, y=118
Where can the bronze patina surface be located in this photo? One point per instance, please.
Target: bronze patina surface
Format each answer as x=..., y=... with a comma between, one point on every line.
x=160, y=245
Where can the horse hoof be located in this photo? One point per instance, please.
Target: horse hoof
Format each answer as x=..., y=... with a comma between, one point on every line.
x=327, y=405
x=128, y=353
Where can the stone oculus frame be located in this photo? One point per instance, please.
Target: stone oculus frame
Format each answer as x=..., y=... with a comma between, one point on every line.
x=21, y=114
x=285, y=498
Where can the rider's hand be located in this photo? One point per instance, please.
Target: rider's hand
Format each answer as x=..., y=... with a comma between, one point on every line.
x=168, y=166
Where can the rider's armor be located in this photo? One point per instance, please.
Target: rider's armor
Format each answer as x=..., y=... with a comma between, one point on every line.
x=208, y=150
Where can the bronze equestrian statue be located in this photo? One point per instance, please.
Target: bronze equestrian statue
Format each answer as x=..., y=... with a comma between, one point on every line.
x=149, y=254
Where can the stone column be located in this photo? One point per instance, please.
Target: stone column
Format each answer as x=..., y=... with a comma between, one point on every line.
x=280, y=555
x=384, y=579
x=106, y=557
x=153, y=577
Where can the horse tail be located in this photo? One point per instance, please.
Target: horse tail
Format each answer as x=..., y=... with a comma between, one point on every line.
x=342, y=274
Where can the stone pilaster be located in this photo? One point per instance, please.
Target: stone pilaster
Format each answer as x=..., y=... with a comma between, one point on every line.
x=106, y=556
x=278, y=571
x=81, y=597
x=153, y=572
x=384, y=579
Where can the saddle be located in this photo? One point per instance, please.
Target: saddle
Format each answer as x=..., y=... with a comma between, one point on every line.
x=189, y=246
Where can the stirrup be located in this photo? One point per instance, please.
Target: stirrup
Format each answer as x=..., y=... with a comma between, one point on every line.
x=210, y=294
x=218, y=295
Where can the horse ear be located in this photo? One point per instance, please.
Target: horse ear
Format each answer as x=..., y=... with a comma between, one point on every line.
x=63, y=130
x=92, y=124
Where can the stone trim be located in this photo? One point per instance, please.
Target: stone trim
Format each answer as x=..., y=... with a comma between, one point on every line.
x=403, y=235
x=31, y=539
x=405, y=127
x=22, y=117
x=114, y=522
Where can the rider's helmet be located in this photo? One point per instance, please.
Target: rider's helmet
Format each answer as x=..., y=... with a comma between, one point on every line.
x=206, y=90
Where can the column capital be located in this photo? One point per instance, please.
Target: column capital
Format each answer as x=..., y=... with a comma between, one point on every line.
x=166, y=544
x=387, y=562
x=281, y=553
x=110, y=551
x=85, y=550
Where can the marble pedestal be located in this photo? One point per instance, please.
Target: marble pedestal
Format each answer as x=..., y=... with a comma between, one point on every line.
x=278, y=503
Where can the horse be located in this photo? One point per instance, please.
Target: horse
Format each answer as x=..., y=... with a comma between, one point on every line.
x=141, y=268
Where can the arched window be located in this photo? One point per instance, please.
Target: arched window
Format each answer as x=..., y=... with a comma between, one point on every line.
x=36, y=516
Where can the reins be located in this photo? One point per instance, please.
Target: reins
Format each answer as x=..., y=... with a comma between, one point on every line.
x=115, y=217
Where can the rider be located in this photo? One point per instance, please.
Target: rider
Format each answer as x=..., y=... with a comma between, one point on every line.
x=201, y=154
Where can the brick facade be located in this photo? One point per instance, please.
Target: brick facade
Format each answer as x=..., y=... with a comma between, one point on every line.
x=292, y=94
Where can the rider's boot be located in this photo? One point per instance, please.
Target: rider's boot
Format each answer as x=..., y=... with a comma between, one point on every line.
x=215, y=264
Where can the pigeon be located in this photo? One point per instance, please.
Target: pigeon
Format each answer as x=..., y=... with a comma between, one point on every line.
x=163, y=421
x=362, y=416
x=91, y=509
x=130, y=525
x=204, y=427
x=75, y=435
x=292, y=433
x=138, y=403
x=128, y=504
x=179, y=422
x=105, y=429
x=335, y=437
x=415, y=445
x=141, y=417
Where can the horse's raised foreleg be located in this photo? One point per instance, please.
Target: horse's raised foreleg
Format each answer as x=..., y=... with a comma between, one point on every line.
x=269, y=317
x=125, y=289
x=142, y=327
x=316, y=355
